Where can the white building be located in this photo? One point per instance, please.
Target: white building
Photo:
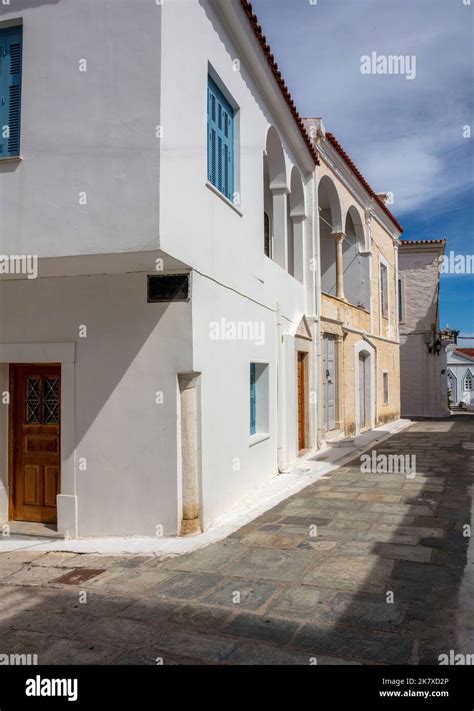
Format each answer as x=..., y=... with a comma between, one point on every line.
x=460, y=374
x=422, y=349
x=165, y=361
x=146, y=155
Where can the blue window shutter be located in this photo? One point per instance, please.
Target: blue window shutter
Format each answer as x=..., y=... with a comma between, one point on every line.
x=220, y=141
x=10, y=90
x=253, y=399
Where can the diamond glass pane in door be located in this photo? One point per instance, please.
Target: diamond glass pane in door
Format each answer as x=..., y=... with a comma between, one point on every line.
x=32, y=404
x=51, y=401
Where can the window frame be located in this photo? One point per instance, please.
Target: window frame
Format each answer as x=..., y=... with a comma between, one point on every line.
x=259, y=394
x=6, y=153
x=383, y=276
x=401, y=299
x=224, y=102
x=468, y=375
x=385, y=391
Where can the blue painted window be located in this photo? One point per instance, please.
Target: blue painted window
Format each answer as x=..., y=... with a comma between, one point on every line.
x=253, y=398
x=220, y=140
x=10, y=90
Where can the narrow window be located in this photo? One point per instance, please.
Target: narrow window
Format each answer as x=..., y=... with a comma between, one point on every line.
x=220, y=140
x=267, y=241
x=383, y=290
x=401, y=295
x=259, y=399
x=10, y=90
x=385, y=388
x=468, y=381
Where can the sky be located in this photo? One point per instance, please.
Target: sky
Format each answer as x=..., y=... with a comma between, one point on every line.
x=408, y=136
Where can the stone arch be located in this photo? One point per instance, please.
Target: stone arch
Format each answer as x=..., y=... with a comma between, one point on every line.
x=330, y=221
x=355, y=260
x=328, y=201
x=296, y=215
x=297, y=198
x=275, y=217
x=276, y=160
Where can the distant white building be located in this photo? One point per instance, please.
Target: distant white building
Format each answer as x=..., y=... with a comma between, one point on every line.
x=460, y=373
x=422, y=349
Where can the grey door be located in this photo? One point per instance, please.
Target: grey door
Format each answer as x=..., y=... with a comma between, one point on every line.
x=329, y=383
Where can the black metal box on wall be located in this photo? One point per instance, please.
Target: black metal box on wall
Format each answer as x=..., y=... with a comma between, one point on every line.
x=165, y=288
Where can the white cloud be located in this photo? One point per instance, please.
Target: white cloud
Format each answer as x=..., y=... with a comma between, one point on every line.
x=405, y=136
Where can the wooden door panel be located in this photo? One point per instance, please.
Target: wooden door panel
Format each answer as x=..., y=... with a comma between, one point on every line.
x=50, y=485
x=41, y=444
x=35, y=441
x=31, y=493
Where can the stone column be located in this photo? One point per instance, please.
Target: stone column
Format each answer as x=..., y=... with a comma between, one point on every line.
x=339, y=237
x=191, y=523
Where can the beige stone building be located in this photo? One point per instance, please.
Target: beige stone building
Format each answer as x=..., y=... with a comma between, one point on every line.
x=360, y=350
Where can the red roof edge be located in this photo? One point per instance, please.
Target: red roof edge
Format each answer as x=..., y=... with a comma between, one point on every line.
x=469, y=352
x=262, y=40
x=337, y=146
x=423, y=241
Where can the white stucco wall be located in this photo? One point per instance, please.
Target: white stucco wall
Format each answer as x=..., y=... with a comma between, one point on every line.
x=196, y=225
x=423, y=375
x=423, y=387
x=132, y=351
x=230, y=466
x=88, y=131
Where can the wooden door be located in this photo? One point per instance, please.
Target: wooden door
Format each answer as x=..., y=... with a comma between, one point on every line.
x=35, y=442
x=301, y=401
x=329, y=383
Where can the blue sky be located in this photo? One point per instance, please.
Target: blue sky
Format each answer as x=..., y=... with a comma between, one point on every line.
x=406, y=136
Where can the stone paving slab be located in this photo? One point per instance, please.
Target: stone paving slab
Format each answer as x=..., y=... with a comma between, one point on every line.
x=247, y=594
x=357, y=568
x=272, y=564
x=359, y=645
x=267, y=629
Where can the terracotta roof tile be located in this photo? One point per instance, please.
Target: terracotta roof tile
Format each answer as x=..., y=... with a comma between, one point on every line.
x=335, y=144
x=423, y=241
